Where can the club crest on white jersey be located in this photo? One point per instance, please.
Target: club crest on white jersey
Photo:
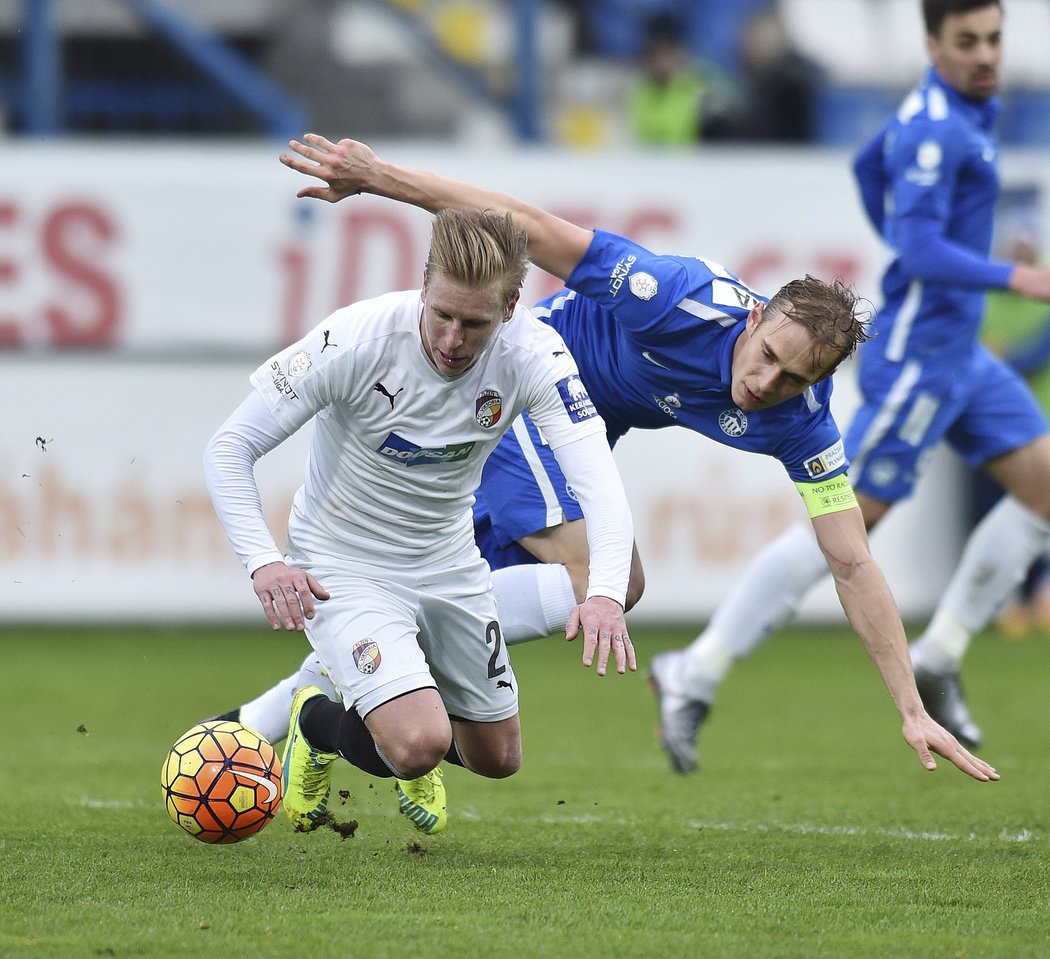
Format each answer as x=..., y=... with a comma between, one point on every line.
x=488, y=408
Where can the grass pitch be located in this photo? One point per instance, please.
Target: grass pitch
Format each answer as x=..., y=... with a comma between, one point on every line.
x=811, y=829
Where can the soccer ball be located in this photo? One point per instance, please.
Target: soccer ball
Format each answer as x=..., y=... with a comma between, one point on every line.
x=221, y=782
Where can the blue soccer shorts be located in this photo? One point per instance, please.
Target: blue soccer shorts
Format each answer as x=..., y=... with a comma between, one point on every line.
x=522, y=491
x=981, y=408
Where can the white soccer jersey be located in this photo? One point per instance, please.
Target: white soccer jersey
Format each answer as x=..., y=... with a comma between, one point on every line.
x=398, y=447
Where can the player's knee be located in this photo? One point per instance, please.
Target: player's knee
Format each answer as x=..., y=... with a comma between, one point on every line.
x=418, y=752
x=499, y=761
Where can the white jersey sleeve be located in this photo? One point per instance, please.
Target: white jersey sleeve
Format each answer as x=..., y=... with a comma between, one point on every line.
x=560, y=406
x=555, y=395
x=590, y=470
x=229, y=474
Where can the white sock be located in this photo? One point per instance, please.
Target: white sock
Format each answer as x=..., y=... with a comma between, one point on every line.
x=269, y=712
x=763, y=598
x=995, y=560
x=313, y=673
x=534, y=600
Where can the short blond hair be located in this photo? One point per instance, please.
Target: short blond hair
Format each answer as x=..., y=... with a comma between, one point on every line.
x=479, y=248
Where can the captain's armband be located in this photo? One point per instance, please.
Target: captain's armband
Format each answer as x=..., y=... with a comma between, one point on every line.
x=828, y=496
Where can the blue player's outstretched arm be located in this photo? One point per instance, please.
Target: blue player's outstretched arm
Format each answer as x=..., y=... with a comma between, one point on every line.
x=350, y=167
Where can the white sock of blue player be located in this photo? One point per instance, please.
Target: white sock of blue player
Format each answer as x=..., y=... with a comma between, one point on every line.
x=997, y=555
x=763, y=599
x=534, y=600
x=268, y=713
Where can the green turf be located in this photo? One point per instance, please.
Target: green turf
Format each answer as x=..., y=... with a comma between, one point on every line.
x=811, y=830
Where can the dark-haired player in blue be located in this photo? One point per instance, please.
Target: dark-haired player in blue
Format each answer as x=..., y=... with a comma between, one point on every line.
x=673, y=340
x=929, y=183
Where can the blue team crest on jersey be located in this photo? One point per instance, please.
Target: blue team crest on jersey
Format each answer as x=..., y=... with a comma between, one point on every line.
x=578, y=403
x=410, y=454
x=488, y=408
x=733, y=422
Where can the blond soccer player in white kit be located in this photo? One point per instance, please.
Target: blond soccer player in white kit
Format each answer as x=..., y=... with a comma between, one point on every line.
x=408, y=393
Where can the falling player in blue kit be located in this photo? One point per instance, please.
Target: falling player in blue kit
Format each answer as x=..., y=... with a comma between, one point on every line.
x=929, y=182
x=680, y=341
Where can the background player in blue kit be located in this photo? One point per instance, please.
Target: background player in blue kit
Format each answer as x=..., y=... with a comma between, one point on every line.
x=672, y=340
x=928, y=182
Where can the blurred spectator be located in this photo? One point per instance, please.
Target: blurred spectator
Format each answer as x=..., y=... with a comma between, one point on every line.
x=582, y=41
x=674, y=99
x=1018, y=329
x=780, y=84
x=709, y=28
x=617, y=28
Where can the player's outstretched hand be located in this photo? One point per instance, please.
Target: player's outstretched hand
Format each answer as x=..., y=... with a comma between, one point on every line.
x=927, y=737
x=1031, y=281
x=604, y=631
x=287, y=594
x=345, y=166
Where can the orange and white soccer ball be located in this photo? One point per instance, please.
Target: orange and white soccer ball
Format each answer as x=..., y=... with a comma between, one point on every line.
x=221, y=782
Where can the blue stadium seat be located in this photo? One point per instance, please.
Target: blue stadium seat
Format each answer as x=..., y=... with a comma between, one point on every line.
x=847, y=116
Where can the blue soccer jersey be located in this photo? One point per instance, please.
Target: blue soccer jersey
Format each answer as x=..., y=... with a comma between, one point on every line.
x=522, y=492
x=654, y=335
x=929, y=182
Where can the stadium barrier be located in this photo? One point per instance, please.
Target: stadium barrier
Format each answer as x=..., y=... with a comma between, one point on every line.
x=133, y=307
